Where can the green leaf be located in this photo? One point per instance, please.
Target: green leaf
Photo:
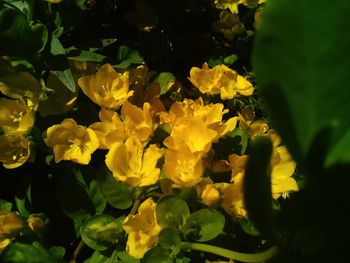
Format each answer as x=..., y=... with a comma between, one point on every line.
x=5, y=205
x=29, y=253
x=23, y=197
x=37, y=37
x=117, y=194
x=257, y=186
x=157, y=255
x=169, y=238
x=125, y=258
x=163, y=79
x=214, y=61
x=100, y=232
x=172, y=211
x=248, y=227
x=88, y=56
x=302, y=78
x=96, y=197
x=127, y=56
x=97, y=257
x=229, y=60
x=205, y=224
x=56, y=46
x=67, y=79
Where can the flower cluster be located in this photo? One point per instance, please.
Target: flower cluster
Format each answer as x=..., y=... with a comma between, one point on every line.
x=128, y=121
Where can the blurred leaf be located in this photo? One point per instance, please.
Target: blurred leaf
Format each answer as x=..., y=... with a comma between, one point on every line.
x=125, y=258
x=100, y=232
x=23, y=197
x=164, y=79
x=97, y=257
x=117, y=194
x=157, y=255
x=37, y=37
x=127, y=56
x=5, y=205
x=302, y=92
x=214, y=61
x=96, y=197
x=172, y=211
x=87, y=56
x=29, y=253
x=205, y=224
x=257, y=186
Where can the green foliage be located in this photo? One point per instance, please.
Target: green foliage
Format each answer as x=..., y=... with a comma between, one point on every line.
x=172, y=211
x=204, y=225
x=100, y=232
x=303, y=87
x=5, y=205
x=127, y=56
x=163, y=79
x=169, y=238
x=157, y=255
x=117, y=194
x=31, y=253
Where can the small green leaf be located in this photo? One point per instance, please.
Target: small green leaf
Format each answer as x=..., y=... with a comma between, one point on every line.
x=257, y=185
x=205, y=224
x=96, y=197
x=127, y=56
x=164, y=79
x=88, y=56
x=125, y=258
x=157, y=255
x=172, y=211
x=23, y=197
x=214, y=61
x=229, y=60
x=117, y=194
x=28, y=253
x=248, y=227
x=5, y=205
x=100, y=232
x=56, y=46
x=67, y=79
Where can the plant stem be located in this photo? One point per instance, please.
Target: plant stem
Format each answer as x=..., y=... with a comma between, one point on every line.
x=113, y=256
x=244, y=257
x=77, y=250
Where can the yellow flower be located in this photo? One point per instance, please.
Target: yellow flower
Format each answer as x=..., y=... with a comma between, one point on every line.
x=142, y=229
x=211, y=194
x=71, y=141
x=229, y=25
x=15, y=116
x=211, y=115
x=10, y=222
x=183, y=167
x=58, y=99
x=107, y=88
x=130, y=163
x=21, y=85
x=194, y=134
x=220, y=80
x=233, y=4
x=14, y=150
x=138, y=122
x=232, y=201
x=283, y=168
x=110, y=130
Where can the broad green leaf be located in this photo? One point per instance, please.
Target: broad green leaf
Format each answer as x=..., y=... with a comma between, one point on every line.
x=205, y=225
x=117, y=194
x=157, y=255
x=229, y=60
x=214, y=61
x=172, y=211
x=127, y=56
x=5, y=205
x=56, y=47
x=125, y=258
x=301, y=61
x=257, y=185
x=100, y=232
x=29, y=253
x=248, y=227
x=96, y=197
x=23, y=197
x=164, y=79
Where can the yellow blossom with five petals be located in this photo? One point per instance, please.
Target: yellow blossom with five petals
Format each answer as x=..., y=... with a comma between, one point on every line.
x=131, y=163
x=15, y=116
x=142, y=229
x=107, y=88
x=71, y=141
